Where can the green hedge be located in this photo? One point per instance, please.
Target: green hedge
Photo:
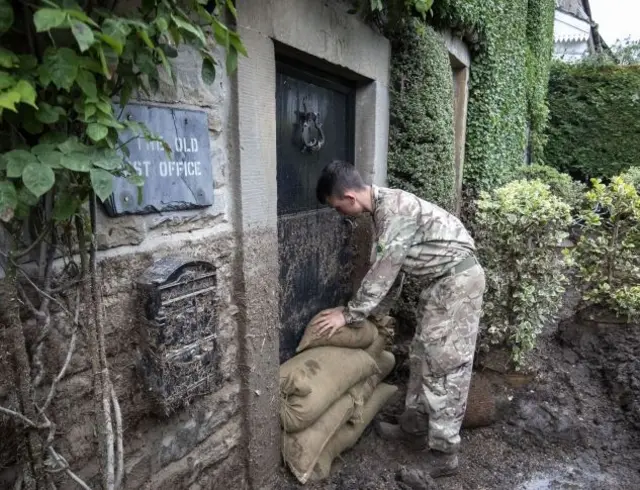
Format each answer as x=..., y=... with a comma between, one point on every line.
x=594, y=124
x=421, y=147
x=511, y=42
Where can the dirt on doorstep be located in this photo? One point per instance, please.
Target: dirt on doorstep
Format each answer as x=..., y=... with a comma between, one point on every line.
x=574, y=425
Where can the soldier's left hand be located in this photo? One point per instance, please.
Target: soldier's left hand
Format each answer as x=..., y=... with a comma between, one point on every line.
x=329, y=322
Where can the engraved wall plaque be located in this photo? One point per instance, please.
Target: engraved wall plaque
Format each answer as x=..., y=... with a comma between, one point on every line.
x=181, y=180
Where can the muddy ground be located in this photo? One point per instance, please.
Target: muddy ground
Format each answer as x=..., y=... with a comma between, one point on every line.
x=574, y=425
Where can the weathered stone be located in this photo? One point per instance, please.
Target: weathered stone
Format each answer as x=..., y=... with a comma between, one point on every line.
x=116, y=232
x=180, y=438
x=190, y=89
x=185, y=472
x=137, y=469
x=219, y=153
x=190, y=220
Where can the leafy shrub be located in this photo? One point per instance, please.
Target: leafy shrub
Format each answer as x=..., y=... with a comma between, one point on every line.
x=560, y=184
x=607, y=256
x=632, y=176
x=520, y=226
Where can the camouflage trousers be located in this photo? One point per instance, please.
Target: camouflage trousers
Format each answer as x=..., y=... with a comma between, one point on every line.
x=441, y=358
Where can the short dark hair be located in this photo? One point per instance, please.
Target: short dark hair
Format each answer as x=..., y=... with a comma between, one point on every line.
x=336, y=178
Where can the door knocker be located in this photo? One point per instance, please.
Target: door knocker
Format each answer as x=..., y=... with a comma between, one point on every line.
x=312, y=134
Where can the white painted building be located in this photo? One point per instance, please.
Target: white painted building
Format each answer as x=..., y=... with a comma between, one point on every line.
x=573, y=35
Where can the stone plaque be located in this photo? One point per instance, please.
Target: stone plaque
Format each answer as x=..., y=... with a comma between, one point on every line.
x=181, y=180
x=178, y=354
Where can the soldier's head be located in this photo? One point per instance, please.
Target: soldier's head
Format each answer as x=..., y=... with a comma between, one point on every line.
x=341, y=187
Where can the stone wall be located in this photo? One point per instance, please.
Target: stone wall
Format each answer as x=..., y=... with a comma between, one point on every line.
x=198, y=444
x=228, y=438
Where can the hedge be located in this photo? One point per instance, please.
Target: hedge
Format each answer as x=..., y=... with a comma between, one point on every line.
x=594, y=124
x=421, y=133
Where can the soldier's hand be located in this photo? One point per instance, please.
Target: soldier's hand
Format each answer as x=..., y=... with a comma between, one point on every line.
x=329, y=322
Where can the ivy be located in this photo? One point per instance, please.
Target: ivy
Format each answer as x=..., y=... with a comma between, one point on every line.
x=539, y=51
x=511, y=43
x=594, y=125
x=421, y=140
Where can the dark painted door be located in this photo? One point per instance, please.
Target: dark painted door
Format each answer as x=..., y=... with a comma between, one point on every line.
x=313, y=240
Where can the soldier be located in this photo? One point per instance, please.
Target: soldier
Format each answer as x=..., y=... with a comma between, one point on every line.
x=419, y=238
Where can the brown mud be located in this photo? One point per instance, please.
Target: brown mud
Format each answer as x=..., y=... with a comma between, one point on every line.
x=575, y=425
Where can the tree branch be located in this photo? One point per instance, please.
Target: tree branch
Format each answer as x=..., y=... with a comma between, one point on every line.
x=19, y=416
x=109, y=477
x=64, y=464
x=119, y=439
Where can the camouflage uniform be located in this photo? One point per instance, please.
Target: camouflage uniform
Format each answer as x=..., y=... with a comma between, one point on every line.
x=421, y=239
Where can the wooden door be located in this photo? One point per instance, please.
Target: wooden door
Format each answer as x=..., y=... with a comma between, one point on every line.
x=313, y=240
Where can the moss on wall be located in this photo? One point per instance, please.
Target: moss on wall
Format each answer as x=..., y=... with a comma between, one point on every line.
x=594, y=122
x=511, y=43
x=421, y=149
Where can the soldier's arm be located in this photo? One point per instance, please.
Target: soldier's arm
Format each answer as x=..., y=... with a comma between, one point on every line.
x=393, y=245
x=383, y=308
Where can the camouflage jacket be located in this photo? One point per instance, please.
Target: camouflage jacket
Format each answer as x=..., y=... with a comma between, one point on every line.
x=412, y=236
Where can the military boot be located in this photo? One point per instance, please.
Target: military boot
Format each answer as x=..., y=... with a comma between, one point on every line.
x=411, y=429
x=442, y=464
x=439, y=465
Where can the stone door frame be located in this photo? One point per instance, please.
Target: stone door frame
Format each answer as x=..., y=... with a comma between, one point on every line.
x=323, y=33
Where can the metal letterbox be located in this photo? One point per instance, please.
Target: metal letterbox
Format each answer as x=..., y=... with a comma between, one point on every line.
x=178, y=352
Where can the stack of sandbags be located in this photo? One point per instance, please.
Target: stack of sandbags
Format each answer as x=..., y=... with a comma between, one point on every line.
x=330, y=391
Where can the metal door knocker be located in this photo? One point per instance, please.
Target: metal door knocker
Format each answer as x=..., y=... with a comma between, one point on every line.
x=312, y=134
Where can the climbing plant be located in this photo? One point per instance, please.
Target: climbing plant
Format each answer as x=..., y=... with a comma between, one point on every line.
x=511, y=44
x=421, y=139
x=62, y=66
x=502, y=97
x=538, y=63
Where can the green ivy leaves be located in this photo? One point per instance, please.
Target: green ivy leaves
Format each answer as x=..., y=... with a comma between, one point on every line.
x=97, y=131
x=15, y=91
x=83, y=34
x=47, y=19
x=60, y=67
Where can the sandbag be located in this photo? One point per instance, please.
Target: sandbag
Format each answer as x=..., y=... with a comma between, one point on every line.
x=363, y=390
x=377, y=346
x=301, y=450
x=314, y=379
x=359, y=336
x=481, y=404
x=347, y=435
